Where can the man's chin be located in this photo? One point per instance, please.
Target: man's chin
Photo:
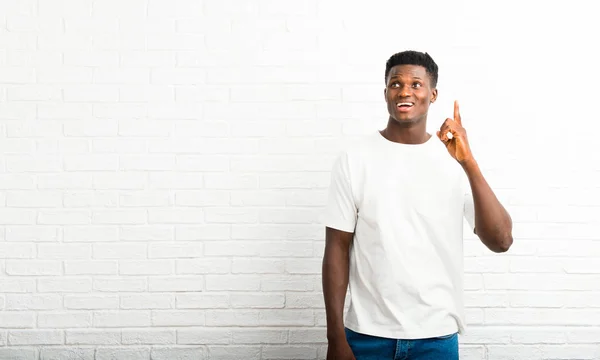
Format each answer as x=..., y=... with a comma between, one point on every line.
x=406, y=120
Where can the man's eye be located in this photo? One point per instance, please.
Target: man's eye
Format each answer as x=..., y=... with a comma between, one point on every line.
x=417, y=85
x=395, y=85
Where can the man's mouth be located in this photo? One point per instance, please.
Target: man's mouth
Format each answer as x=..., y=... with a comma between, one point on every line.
x=404, y=106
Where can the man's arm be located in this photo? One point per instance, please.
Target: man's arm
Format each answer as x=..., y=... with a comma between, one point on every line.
x=336, y=269
x=493, y=224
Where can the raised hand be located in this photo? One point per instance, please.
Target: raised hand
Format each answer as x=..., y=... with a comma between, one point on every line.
x=458, y=144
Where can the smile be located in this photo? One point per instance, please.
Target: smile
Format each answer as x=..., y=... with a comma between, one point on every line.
x=404, y=106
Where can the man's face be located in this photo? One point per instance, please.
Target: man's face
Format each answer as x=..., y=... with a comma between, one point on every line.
x=408, y=93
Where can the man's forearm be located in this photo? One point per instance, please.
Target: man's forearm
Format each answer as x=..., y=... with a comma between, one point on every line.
x=335, y=284
x=492, y=222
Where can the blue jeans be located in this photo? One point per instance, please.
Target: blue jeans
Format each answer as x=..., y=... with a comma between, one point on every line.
x=367, y=347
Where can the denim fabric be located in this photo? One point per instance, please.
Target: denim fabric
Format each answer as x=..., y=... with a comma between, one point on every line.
x=367, y=347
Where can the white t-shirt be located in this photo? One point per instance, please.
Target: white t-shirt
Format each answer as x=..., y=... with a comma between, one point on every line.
x=405, y=204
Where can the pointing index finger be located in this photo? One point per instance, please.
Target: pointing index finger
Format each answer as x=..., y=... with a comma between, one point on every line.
x=457, y=113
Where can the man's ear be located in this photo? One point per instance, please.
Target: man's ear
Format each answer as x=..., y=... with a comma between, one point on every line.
x=434, y=94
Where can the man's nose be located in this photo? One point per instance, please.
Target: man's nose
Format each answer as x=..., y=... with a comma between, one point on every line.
x=406, y=90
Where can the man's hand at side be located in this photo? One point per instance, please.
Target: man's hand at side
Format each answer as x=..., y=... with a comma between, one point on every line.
x=336, y=269
x=339, y=350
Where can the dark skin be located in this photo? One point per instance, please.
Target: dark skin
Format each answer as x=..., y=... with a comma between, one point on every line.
x=411, y=85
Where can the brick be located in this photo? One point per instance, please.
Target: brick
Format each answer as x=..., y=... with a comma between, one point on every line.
x=33, y=267
x=64, y=251
x=178, y=318
x=238, y=318
x=231, y=215
x=175, y=216
x=150, y=336
x=16, y=353
x=81, y=199
x=129, y=216
x=312, y=266
x=201, y=197
x=90, y=234
x=256, y=198
x=203, y=336
x=202, y=163
x=17, y=319
x=91, y=302
x=120, y=284
x=91, y=93
x=295, y=300
x=538, y=336
x=90, y=267
x=63, y=217
x=304, y=336
x=177, y=76
x=147, y=301
x=66, y=354
x=202, y=301
x=204, y=93
x=286, y=317
x=123, y=353
x=64, y=284
x=158, y=180
x=236, y=352
x=146, y=267
x=91, y=163
x=232, y=283
x=145, y=128
x=91, y=58
x=260, y=336
x=289, y=352
x=175, y=250
x=145, y=93
x=15, y=216
x=146, y=233
x=10, y=250
x=69, y=181
x=277, y=232
x=31, y=233
x=115, y=75
x=123, y=318
x=64, y=75
x=203, y=266
x=17, y=285
x=257, y=266
x=179, y=283
x=35, y=337
x=123, y=181
x=120, y=251
x=33, y=92
x=187, y=353
x=62, y=320
x=257, y=300
x=287, y=283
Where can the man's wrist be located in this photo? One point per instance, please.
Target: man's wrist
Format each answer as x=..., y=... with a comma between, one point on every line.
x=337, y=335
x=469, y=164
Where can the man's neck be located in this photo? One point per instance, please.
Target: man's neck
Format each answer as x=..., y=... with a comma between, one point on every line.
x=416, y=134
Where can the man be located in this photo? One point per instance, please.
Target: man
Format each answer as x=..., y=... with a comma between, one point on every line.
x=394, y=222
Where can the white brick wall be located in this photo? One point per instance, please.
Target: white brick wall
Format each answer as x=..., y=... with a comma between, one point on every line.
x=164, y=163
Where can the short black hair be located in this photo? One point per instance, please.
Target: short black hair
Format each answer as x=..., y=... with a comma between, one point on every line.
x=411, y=57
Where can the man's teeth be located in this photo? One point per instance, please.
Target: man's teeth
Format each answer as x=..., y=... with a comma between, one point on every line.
x=404, y=104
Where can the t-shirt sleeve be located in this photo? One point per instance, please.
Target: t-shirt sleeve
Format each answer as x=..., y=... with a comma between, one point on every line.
x=340, y=211
x=469, y=204
x=469, y=210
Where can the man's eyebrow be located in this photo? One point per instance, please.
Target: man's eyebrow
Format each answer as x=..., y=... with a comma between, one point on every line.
x=396, y=76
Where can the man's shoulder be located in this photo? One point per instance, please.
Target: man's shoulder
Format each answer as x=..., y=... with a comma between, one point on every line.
x=358, y=147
